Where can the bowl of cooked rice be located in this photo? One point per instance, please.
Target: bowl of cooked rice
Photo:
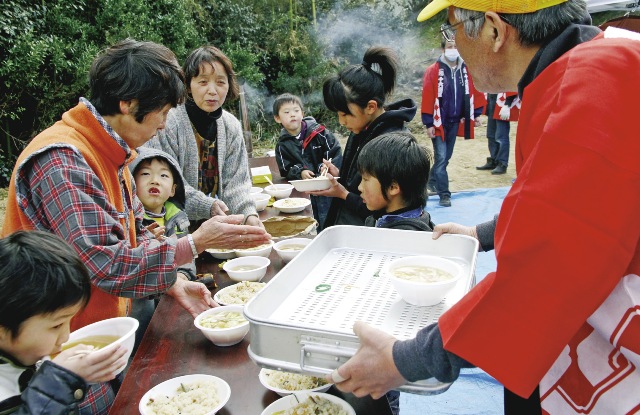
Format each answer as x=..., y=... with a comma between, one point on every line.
x=291, y=204
x=309, y=403
x=238, y=293
x=422, y=280
x=190, y=394
x=260, y=250
x=224, y=325
x=286, y=383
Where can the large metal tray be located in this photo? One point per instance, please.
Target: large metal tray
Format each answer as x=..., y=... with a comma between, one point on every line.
x=299, y=327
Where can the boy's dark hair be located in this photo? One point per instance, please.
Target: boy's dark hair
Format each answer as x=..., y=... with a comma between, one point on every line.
x=286, y=98
x=398, y=157
x=373, y=79
x=131, y=70
x=39, y=274
x=210, y=54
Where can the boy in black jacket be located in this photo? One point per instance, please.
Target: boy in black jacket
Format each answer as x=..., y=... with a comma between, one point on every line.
x=395, y=169
x=302, y=146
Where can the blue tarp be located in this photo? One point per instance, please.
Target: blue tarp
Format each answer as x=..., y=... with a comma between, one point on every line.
x=475, y=392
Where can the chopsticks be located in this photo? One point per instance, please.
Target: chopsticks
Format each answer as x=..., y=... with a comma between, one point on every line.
x=324, y=170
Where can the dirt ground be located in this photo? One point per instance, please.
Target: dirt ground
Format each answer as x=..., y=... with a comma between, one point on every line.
x=462, y=168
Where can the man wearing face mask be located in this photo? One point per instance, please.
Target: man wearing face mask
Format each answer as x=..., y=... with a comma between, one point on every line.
x=450, y=104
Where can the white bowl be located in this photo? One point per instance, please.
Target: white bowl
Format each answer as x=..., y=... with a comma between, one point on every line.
x=124, y=328
x=222, y=253
x=260, y=250
x=223, y=337
x=265, y=374
x=250, y=275
x=311, y=185
x=170, y=387
x=292, y=400
x=255, y=190
x=239, y=293
x=292, y=204
x=288, y=254
x=261, y=200
x=279, y=191
x=422, y=293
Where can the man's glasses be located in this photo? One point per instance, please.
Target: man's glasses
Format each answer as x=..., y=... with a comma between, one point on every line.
x=449, y=30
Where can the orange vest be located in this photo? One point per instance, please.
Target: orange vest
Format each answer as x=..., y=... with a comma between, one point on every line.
x=80, y=129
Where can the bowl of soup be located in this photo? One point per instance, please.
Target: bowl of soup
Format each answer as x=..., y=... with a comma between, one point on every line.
x=246, y=268
x=224, y=325
x=422, y=280
x=287, y=249
x=105, y=334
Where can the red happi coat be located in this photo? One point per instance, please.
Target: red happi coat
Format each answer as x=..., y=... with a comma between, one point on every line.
x=514, y=112
x=432, y=90
x=562, y=309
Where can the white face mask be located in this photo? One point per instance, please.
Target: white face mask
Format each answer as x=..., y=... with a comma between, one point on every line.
x=451, y=54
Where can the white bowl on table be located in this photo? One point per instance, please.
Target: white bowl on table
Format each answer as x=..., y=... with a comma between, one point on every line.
x=261, y=200
x=439, y=276
x=237, y=268
x=270, y=379
x=279, y=191
x=311, y=185
x=114, y=331
x=223, y=336
x=291, y=204
x=221, y=253
x=292, y=400
x=169, y=390
x=260, y=250
x=255, y=190
x=287, y=249
x=239, y=293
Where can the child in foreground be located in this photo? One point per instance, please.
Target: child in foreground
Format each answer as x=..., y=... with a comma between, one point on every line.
x=303, y=146
x=395, y=170
x=160, y=188
x=43, y=284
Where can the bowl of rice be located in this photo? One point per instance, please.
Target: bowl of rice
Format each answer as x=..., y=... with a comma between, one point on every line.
x=221, y=253
x=190, y=394
x=224, y=325
x=260, y=250
x=309, y=403
x=286, y=383
x=238, y=293
x=291, y=204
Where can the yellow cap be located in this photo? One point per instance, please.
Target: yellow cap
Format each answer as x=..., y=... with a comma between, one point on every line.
x=498, y=6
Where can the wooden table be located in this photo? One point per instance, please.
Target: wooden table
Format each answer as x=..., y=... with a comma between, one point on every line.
x=172, y=346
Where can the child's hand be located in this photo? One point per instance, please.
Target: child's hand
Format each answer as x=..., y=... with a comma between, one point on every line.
x=93, y=366
x=157, y=231
x=307, y=174
x=332, y=169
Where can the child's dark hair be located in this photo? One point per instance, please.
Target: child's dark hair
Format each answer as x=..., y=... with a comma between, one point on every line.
x=39, y=274
x=131, y=70
x=211, y=54
x=373, y=79
x=286, y=98
x=398, y=157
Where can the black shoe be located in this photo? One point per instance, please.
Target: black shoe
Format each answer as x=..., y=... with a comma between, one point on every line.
x=445, y=201
x=490, y=165
x=500, y=169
